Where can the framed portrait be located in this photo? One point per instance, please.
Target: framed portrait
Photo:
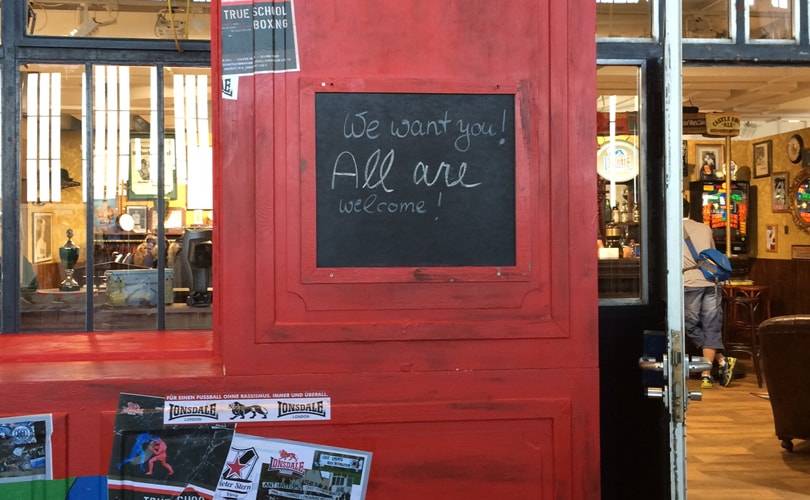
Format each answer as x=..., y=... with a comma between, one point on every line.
x=771, y=232
x=138, y=213
x=709, y=161
x=780, y=183
x=763, y=158
x=42, y=237
x=142, y=184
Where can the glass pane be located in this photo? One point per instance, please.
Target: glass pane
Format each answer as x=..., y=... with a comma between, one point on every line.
x=770, y=19
x=125, y=111
x=142, y=19
x=624, y=18
x=619, y=196
x=706, y=19
x=52, y=212
x=189, y=215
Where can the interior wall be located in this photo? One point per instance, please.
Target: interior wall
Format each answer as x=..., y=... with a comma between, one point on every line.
x=742, y=152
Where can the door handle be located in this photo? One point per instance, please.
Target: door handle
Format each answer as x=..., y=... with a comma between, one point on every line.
x=698, y=364
x=651, y=364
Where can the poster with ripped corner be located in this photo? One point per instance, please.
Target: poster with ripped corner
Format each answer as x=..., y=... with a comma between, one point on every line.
x=25, y=448
x=273, y=469
x=152, y=461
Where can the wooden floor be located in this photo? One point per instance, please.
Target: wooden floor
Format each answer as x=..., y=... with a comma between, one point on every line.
x=732, y=450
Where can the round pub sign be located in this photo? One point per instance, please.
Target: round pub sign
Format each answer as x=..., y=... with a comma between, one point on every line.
x=617, y=161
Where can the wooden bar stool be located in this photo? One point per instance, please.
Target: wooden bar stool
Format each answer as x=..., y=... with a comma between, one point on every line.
x=744, y=308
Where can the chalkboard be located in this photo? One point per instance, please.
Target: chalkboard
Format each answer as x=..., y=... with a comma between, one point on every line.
x=415, y=180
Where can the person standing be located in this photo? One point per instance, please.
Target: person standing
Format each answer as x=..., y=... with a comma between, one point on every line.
x=703, y=314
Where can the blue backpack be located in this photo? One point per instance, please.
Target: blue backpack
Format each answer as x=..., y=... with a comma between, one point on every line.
x=714, y=264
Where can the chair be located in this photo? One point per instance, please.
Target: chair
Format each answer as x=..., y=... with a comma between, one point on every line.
x=744, y=308
x=785, y=344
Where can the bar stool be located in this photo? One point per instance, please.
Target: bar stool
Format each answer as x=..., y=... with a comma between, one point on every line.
x=744, y=308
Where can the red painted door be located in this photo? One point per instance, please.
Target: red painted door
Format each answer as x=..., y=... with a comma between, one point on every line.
x=469, y=377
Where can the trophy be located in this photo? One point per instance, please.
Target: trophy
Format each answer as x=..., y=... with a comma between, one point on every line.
x=69, y=254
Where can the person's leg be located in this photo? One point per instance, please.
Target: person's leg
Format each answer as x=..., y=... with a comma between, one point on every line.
x=712, y=320
x=691, y=310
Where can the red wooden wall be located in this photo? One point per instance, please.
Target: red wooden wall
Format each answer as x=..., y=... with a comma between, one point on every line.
x=463, y=384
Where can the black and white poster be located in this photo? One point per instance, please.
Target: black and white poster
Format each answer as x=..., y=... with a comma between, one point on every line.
x=246, y=408
x=258, y=38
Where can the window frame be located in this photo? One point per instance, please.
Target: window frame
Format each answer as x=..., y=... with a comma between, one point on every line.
x=732, y=29
x=654, y=30
x=795, y=24
x=643, y=296
x=17, y=49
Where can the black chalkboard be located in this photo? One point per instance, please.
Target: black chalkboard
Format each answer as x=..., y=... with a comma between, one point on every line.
x=415, y=180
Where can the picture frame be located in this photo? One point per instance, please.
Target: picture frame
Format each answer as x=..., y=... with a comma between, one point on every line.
x=42, y=237
x=174, y=220
x=780, y=192
x=141, y=185
x=762, y=159
x=139, y=215
x=771, y=236
x=709, y=160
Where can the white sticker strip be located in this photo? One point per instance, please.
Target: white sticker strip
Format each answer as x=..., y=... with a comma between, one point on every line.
x=230, y=87
x=180, y=410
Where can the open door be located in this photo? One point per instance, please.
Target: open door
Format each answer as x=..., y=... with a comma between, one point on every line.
x=675, y=364
x=407, y=211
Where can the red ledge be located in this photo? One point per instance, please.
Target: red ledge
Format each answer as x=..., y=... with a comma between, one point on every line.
x=49, y=347
x=109, y=371
x=88, y=356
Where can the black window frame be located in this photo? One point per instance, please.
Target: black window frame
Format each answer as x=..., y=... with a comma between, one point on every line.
x=17, y=49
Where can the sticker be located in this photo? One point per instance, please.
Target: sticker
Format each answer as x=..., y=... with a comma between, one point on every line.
x=258, y=37
x=25, y=448
x=230, y=87
x=154, y=461
x=264, y=469
x=246, y=408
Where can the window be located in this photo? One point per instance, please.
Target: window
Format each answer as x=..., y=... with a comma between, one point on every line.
x=624, y=18
x=772, y=20
x=707, y=19
x=143, y=19
x=126, y=205
x=620, y=194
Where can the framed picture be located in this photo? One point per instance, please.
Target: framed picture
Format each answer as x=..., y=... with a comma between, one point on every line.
x=780, y=181
x=175, y=218
x=142, y=183
x=771, y=231
x=42, y=240
x=763, y=158
x=138, y=213
x=708, y=160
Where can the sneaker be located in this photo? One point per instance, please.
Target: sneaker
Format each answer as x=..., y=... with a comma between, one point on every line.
x=706, y=383
x=727, y=371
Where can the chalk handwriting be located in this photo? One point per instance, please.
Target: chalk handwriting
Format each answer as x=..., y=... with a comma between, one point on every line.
x=377, y=174
x=374, y=167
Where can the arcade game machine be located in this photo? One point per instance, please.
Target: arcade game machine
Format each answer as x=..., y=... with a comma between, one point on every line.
x=711, y=206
